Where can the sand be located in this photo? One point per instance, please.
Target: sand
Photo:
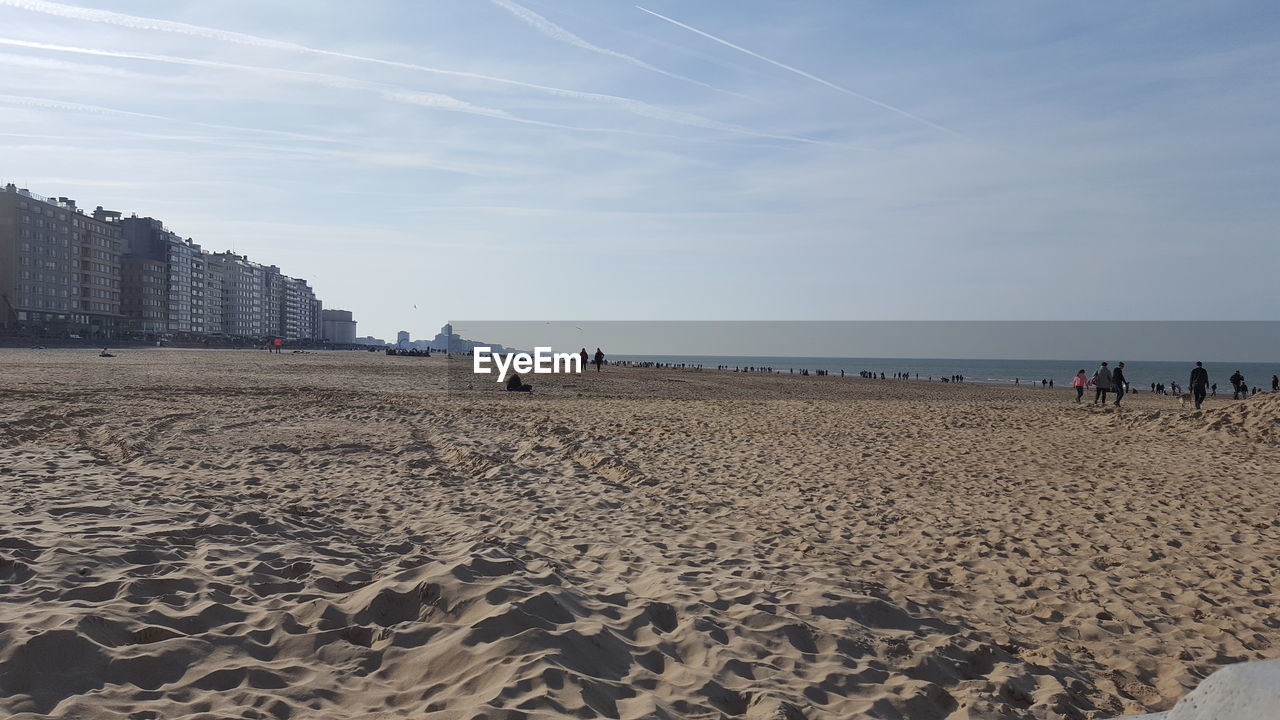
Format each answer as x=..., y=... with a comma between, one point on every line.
x=189, y=534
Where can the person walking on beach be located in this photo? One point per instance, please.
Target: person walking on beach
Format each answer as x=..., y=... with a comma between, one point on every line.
x=1199, y=382
x=1101, y=384
x=599, y=359
x=1080, y=382
x=1237, y=385
x=1275, y=383
x=1118, y=382
x=586, y=358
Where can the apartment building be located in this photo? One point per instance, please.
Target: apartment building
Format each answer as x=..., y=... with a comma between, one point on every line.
x=301, y=311
x=144, y=294
x=244, y=294
x=213, y=294
x=63, y=272
x=148, y=242
x=60, y=269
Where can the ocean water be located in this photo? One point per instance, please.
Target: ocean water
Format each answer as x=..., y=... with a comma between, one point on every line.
x=1140, y=374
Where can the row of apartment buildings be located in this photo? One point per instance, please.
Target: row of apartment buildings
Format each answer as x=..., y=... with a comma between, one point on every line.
x=101, y=275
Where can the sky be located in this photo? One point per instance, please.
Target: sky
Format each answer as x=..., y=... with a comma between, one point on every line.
x=745, y=160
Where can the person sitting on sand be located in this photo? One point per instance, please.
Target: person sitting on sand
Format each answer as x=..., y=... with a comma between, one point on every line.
x=104, y=353
x=515, y=384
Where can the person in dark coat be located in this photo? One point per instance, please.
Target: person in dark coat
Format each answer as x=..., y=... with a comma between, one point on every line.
x=1238, y=385
x=1199, y=383
x=1118, y=382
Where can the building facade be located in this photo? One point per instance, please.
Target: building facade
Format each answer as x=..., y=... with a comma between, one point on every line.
x=60, y=269
x=213, y=295
x=302, y=311
x=339, y=327
x=143, y=294
x=65, y=273
x=244, y=295
x=147, y=242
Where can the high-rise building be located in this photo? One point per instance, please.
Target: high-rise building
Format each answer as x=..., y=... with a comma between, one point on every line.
x=257, y=301
x=199, y=291
x=148, y=242
x=339, y=327
x=213, y=295
x=273, y=298
x=302, y=314
x=143, y=294
x=243, y=294
x=402, y=339
x=60, y=269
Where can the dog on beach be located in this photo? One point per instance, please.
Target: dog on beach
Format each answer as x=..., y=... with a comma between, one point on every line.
x=1185, y=399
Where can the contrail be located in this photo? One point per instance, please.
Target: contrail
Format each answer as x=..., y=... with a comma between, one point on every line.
x=27, y=101
x=636, y=107
x=409, y=97
x=12, y=60
x=360, y=156
x=556, y=32
x=810, y=76
x=425, y=99
x=24, y=100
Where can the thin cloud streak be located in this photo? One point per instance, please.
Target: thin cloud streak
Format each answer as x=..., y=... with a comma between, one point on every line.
x=422, y=99
x=560, y=34
x=810, y=76
x=363, y=156
x=38, y=63
x=636, y=107
x=405, y=96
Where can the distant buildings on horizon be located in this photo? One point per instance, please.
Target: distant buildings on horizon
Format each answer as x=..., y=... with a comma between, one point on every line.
x=102, y=276
x=445, y=341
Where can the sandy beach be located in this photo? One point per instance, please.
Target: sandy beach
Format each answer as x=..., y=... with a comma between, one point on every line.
x=214, y=534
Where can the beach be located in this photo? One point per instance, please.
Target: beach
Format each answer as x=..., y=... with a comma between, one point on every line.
x=208, y=534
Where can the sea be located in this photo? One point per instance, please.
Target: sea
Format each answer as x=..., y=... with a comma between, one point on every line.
x=1140, y=374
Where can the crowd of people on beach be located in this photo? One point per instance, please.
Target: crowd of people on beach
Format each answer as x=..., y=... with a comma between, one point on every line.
x=1105, y=381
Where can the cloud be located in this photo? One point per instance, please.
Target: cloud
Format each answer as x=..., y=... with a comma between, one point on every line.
x=560, y=34
x=438, y=101
x=29, y=61
x=810, y=76
x=630, y=105
x=364, y=156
